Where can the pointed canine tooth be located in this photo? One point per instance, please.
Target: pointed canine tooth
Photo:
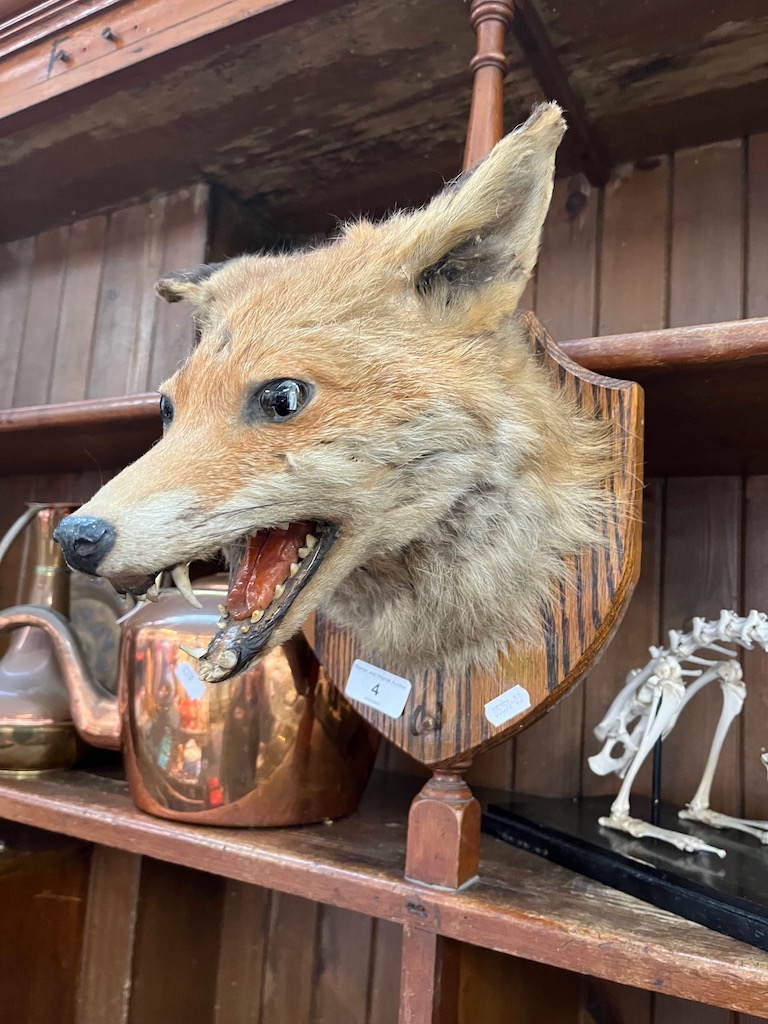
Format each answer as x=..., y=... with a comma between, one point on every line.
x=159, y=580
x=310, y=540
x=257, y=616
x=193, y=652
x=294, y=568
x=303, y=552
x=279, y=590
x=180, y=574
x=226, y=660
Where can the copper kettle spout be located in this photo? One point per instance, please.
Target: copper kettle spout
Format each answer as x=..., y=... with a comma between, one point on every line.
x=95, y=711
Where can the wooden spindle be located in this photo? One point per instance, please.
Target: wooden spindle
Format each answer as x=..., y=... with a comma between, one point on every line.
x=444, y=831
x=490, y=20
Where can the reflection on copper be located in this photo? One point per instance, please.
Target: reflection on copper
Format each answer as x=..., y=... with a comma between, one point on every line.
x=276, y=745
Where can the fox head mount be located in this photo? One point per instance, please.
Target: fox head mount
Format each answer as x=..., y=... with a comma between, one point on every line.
x=365, y=430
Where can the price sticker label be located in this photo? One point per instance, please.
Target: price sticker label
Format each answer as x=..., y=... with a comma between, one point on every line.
x=190, y=680
x=507, y=705
x=378, y=689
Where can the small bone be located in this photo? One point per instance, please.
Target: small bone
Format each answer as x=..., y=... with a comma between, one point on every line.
x=193, y=652
x=180, y=575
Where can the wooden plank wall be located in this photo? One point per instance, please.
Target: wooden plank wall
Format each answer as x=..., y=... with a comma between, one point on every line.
x=682, y=241
x=78, y=319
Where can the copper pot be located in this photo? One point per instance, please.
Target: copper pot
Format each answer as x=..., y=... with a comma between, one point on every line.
x=276, y=745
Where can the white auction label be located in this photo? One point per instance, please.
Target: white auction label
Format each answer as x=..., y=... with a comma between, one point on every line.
x=378, y=689
x=507, y=705
x=190, y=680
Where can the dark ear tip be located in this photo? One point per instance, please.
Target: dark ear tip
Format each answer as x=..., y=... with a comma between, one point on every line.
x=165, y=289
x=182, y=284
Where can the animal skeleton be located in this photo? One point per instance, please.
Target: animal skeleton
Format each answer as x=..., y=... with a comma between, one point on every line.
x=649, y=705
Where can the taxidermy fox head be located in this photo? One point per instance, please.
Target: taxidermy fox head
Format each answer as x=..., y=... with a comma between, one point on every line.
x=363, y=428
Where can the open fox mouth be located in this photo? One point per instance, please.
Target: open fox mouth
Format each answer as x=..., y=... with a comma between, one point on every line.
x=268, y=570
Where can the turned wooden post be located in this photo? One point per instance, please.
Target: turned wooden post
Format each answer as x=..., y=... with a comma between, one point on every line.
x=490, y=20
x=444, y=831
x=443, y=846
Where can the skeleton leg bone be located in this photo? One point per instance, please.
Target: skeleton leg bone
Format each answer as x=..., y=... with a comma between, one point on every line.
x=734, y=692
x=668, y=698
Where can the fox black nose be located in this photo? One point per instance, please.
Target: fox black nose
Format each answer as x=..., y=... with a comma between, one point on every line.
x=84, y=541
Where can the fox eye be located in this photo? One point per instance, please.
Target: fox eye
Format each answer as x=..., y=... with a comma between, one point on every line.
x=166, y=411
x=280, y=399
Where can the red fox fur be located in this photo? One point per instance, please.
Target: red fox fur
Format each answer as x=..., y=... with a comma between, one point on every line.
x=410, y=432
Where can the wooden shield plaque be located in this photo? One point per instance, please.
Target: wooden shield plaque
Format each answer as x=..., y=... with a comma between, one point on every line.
x=445, y=719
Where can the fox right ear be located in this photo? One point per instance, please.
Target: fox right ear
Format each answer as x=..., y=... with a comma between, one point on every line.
x=483, y=231
x=185, y=284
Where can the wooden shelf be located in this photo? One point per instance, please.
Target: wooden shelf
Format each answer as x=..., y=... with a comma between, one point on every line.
x=522, y=905
x=706, y=407
x=97, y=434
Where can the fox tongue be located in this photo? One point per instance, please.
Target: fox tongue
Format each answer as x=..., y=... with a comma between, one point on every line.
x=266, y=564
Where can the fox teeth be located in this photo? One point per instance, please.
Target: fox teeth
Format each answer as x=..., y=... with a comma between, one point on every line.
x=303, y=552
x=279, y=590
x=222, y=623
x=223, y=610
x=180, y=575
x=257, y=615
x=226, y=660
x=310, y=540
x=210, y=673
x=152, y=594
x=283, y=526
x=193, y=652
x=294, y=568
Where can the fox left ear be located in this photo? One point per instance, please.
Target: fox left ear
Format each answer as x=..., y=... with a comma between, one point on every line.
x=486, y=227
x=185, y=284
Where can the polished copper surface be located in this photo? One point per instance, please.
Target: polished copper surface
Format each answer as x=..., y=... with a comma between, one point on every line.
x=276, y=745
x=36, y=728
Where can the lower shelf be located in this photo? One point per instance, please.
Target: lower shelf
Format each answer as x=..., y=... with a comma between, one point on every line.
x=522, y=905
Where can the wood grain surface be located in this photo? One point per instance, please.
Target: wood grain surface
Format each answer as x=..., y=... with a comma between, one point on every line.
x=522, y=905
x=583, y=616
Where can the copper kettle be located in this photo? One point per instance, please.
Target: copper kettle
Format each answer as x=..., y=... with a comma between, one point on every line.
x=276, y=745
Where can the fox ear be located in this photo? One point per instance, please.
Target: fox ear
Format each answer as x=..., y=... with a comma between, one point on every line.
x=185, y=284
x=486, y=226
